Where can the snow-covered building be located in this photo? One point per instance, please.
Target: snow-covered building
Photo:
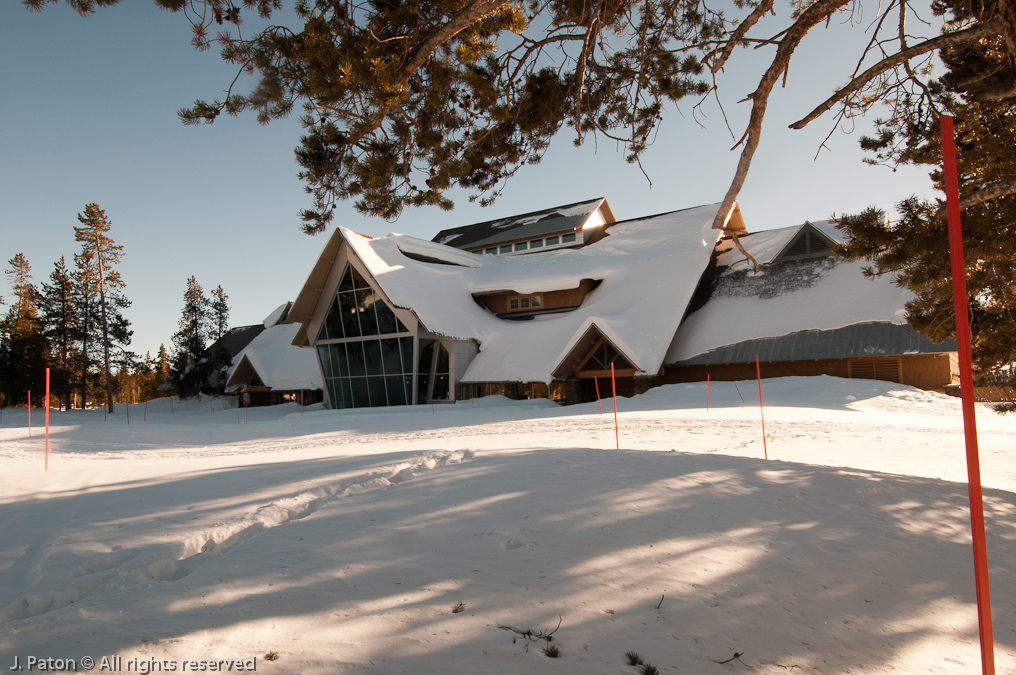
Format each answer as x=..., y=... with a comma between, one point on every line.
x=271, y=369
x=397, y=320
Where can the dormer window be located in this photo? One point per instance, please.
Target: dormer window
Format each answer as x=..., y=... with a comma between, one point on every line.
x=807, y=243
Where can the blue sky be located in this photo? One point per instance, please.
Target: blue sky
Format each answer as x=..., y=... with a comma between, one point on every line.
x=88, y=114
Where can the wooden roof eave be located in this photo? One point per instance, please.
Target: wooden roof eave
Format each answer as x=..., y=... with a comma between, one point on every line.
x=303, y=307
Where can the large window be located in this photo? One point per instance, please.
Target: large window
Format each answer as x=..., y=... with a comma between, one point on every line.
x=366, y=353
x=433, y=377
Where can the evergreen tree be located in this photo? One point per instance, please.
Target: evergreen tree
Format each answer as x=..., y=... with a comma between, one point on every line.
x=915, y=247
x=100, y=296
x=191, y=370
x=218, y=326
x=405, y=101
x=24, y=353
x=60, y=319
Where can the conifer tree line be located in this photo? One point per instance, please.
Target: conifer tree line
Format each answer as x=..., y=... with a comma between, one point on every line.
x=74, y=324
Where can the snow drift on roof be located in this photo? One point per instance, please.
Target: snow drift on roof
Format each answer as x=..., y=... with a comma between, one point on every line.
x=637, y=307
x=816, y=294
x=276, y=315
x=279, y=364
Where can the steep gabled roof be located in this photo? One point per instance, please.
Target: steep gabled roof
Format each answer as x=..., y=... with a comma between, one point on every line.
x=818, y=294
x=637, y=306
x=279, y=364
x=557, y=218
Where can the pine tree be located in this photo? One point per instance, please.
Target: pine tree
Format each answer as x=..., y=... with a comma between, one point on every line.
x=914, y=248
x=101, y=301
x=406, y=101
x=191, y=370
x=60, y=319
x=24, y=353
x=218, y=326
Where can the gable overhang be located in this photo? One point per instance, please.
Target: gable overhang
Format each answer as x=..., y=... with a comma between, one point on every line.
x=805, y=226
x=312, y=303
x=734, y=222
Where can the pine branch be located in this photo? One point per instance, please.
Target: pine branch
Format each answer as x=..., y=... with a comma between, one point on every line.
x=977, y=32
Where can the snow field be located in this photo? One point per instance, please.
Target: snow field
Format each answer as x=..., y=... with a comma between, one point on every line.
x=342, y=540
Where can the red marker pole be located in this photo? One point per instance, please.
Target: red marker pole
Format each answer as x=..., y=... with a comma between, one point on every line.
x=967, y=398
x=613, y=391
x=144, y=415
x=758, y=372
x=707, y=392
x=29, y=413
x=45, y=466
x=596, y=381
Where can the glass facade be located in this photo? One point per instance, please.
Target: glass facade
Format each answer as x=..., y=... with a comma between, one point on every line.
x=366, y=353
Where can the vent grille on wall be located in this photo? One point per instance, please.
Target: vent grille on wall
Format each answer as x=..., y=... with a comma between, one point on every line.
x=871, y=369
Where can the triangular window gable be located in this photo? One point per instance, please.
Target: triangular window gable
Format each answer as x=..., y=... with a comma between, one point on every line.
x=597, y=362
x=807, y=243
x=357, y=310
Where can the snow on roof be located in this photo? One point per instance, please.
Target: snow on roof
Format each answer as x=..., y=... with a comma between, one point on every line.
x=469, y=235
x=637, y=307
x=279, y=364
x=816, y=294
x=276, y=315
x=764, y=246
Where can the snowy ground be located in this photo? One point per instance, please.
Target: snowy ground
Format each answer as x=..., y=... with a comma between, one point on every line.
x=341, y=541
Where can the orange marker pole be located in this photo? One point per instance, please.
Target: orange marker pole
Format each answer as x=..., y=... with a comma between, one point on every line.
x=596, y=381
x=613, y=391
x=762, y=416
x=144, y=415
x=128, y=406
x=967, y=398
x=45, y=466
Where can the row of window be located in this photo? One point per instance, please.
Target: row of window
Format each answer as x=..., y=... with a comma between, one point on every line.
x=529, y=245
x=519, y=302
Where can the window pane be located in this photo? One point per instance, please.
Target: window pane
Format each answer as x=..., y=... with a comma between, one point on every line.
x=491, y=250
x=426, y=356
x=506, y=249
x=396, y=390
x=376, y=388
x=442, y=359
x=323, y=333
x=440, y=387
x=407, y=354
x=513, y=303
x=342, y=385
x=525, y=303
x=521, y=246
x=358, y=280
x=536, y=243
x=478, y=252
x=340, y=367
x=330, y=383
x=536, y=301
x=325, y=358
x=361, y=399
x=386, y=321
x=390, y=356
x=357, y=366
x=407, y=380
x=421, y=388
x=334, y=320
x=347, y=281
x=567, y=238
x=551, y=241
x=365, y=305
x=372, y=357
x=347, y=305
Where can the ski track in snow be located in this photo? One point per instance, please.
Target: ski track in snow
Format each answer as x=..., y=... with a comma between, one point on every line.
x=126, y=569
